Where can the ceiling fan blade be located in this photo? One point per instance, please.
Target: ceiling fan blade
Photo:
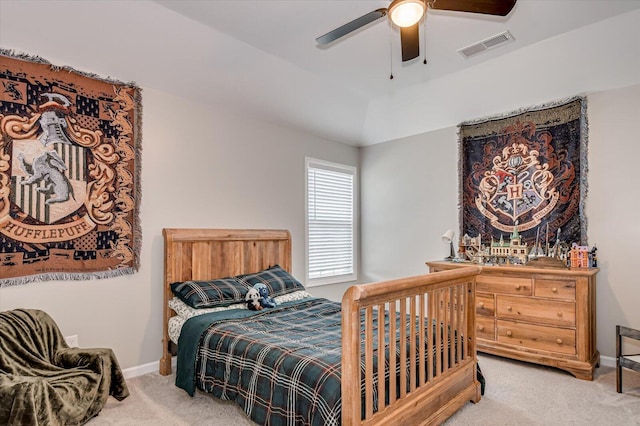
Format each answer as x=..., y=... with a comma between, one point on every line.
x=351, y=26
x=488, y=7
x=410, y=40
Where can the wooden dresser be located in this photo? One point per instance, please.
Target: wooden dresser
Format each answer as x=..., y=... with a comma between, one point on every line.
x=541, y=315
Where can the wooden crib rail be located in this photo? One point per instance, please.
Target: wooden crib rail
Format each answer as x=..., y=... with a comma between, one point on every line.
x=434, y=315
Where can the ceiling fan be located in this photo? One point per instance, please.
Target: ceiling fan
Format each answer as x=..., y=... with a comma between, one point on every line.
x=407, y=14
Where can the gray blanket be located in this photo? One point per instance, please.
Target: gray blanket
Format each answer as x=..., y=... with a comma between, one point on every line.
x=43, y=381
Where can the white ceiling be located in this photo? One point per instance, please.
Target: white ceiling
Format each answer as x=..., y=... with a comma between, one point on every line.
x=260, y=57
x=340, y=81
x=361, y=62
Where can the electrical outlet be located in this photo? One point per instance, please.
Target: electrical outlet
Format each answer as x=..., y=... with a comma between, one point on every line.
x=72, y=341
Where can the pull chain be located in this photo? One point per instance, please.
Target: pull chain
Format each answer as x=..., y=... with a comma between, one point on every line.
x=391, y=54
x=424, y=36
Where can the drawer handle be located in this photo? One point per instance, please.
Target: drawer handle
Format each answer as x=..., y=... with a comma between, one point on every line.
x=481, y=328
x=509, y=308
x=559, y=341
x=560, y=314
x=554, y=290
x=481, y=304
x=518, y=287
x=509, y=333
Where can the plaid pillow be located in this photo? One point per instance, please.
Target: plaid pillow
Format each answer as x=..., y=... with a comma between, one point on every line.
x=209, y=294
x=277, y=280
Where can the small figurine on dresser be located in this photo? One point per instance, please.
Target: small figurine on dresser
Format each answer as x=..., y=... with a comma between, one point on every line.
x=579, y=256
x=594, y=258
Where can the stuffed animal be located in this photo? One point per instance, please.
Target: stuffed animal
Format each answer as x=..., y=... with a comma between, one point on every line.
x=253, y=299
x=265, y=300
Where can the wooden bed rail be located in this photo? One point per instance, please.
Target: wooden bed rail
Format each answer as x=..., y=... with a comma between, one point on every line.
x=434, y=315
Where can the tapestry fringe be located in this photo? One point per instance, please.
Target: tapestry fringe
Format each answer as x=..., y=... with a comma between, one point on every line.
x=39, y=60
x=524, y=110
x=61, y=276
x=137, y=232
x=584, y=169
x=460, y=183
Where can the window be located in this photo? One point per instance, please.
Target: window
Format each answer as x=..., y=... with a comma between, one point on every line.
x=331, y=223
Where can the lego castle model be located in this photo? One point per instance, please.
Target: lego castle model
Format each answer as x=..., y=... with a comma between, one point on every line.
x=516, y=251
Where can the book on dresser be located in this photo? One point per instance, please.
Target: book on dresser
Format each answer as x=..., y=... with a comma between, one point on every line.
x=541, y=315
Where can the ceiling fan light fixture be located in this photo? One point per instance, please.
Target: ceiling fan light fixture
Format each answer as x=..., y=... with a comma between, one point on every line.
x=405, y=13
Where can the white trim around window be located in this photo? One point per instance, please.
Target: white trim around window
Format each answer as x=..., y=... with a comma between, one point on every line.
x=330, y=222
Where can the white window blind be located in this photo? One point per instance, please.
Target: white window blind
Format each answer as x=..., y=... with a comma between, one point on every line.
x=330, y=222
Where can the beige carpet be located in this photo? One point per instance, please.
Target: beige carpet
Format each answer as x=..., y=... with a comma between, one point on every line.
x=517, y=394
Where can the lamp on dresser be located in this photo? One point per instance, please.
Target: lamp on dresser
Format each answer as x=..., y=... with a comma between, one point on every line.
x=448, y=238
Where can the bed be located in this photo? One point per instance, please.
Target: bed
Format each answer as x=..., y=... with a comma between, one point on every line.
x=428, y=326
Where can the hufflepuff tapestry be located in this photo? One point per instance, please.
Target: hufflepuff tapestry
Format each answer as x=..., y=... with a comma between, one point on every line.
x=69, y=173
x=526, y=172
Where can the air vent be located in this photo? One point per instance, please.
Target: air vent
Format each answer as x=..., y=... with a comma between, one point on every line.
x=486, y=44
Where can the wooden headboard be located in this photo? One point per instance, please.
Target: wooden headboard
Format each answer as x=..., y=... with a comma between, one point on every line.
x=203, y=254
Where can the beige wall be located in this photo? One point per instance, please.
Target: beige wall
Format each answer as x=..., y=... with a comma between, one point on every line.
x=613, y=208
x=409, y=198
x=201, y=167
x=211, y=167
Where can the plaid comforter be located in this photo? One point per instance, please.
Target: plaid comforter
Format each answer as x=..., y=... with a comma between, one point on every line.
x=281, y=366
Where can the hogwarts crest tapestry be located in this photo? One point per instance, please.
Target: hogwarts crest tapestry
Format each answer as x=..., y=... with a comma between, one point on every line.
x=69, y=173
x=526, y=172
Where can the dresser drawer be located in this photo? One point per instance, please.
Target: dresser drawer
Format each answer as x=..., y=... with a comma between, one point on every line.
x=543, y=311
x=537, y=337
x=485, y=328
x=555, y=289
x=485, y=304
x=505, y=285
x=551, y=320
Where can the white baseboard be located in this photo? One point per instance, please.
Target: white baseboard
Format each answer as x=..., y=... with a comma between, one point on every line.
x=606, y=361
x=140, y=370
